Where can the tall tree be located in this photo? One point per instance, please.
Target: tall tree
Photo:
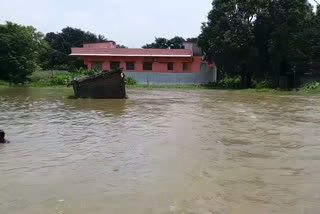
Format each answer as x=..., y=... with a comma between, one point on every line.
x=161, y=43
x=316, y=42
x=19, y=51
x=62, y=43
x=255, y=38
x=176, y=42
x=228, y=36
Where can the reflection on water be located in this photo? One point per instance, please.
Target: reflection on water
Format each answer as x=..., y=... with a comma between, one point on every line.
x=160, y=151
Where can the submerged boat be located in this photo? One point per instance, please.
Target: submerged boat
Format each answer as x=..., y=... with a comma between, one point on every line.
x=105, y=85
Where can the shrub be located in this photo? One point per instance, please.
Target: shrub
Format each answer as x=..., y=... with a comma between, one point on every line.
x=231, y=82
x=130, y=81
x=87, y=72
x=313, y=85
x=51, y=78
x=264, y=84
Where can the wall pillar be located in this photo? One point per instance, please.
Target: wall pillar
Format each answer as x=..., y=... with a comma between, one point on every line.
x=123, y=65
x=138, y=66
x=106, y=65
x=178, y=67
x=89, y=65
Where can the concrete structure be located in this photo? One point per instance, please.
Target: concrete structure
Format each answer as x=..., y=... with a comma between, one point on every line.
x=150, y=66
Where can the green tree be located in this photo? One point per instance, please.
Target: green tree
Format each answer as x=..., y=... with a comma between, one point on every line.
x=160, y=43
x=61, y=44
x=258, y=38
x=121, y=46
x=20, y=47
x=316, y=42
x=173, y=43
x=176, y=42
x=228, y=37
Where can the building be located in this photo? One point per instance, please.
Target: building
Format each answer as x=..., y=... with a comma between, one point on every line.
x=149, y=66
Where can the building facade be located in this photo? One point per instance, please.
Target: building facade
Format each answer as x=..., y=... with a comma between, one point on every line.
x=144, y=64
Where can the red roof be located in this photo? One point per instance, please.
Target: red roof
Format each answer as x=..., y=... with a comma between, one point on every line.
x=131, y=52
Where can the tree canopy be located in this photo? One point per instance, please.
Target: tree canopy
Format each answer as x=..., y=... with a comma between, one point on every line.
x=259, y=38
x=174, y=43
x=20, y=48
x=61, y=44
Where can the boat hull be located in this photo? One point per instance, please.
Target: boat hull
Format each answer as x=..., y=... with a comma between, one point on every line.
x=107, y=85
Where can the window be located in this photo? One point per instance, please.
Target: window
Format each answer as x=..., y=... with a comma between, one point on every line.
x=114, y=65
x=147, y=66
x=96, y=66
x=187, y=66
x=130, y=66
x=170, y=66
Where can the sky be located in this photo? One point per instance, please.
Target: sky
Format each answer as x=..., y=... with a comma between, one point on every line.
x=132, y=23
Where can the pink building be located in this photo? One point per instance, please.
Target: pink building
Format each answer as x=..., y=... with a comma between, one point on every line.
x=106, y=56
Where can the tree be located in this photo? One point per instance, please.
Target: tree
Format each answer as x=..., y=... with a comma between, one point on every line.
x=290, y=39
x=161, y=43
x=316, y=43
x=19, y=51
x=227, y=37
x=176, y=43
x=121, y=46
x=62, y=43
x=258, y=38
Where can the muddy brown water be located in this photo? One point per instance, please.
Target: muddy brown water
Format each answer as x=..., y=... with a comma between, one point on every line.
x=160, y=151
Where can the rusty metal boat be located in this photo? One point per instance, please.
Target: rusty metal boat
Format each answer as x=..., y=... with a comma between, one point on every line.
x=105, y=85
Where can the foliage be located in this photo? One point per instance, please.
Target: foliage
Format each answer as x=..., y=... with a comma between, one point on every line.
x=61, y=44
x=20, y=47
x=264, y=84
x=57, y=78
x=130, y=81
x=174, y=43
x=45, y=79
x=231, y=82
x=121, y=46
x=259, y=39
x=159, y=43
x=313, y=87
x=316, y=42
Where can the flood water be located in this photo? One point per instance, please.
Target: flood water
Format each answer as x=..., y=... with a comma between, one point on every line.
x=160, y=151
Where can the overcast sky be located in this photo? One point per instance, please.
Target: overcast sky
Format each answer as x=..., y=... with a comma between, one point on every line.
x=129, y=22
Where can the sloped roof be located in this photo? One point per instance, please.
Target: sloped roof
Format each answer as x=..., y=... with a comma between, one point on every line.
x=131, y=52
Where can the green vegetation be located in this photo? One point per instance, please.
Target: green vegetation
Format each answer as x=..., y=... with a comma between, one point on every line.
x=58, y=79
x=48, y=80
x=130, y=81
x=174, y=43
x=61, y=43
x=311, y=88
x=255, y=44
x=20, y=48
x=264, y=39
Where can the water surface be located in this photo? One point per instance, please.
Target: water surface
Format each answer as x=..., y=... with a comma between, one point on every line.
x=160, y=151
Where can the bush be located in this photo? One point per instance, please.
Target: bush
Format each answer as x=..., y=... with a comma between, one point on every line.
x=87, y=72
x=264, y=84
x=313, y=87
x=51, y=78
x=130, y=81
x=231, y=82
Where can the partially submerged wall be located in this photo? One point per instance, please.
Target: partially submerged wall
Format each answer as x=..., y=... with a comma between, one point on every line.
x=206, y=75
